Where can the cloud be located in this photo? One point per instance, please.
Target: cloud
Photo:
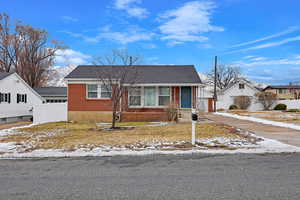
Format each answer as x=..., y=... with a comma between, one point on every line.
x=287, y=31
x=130, y=6
x=266, y=62
x=186, y=23
x=267, y=45
x=130, y=35
x=71, y=57
x=69, y=19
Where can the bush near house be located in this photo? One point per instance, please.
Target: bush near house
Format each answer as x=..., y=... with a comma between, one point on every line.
x=293, y=110
x=280, y=106
x=233, y=107
x=243, y=102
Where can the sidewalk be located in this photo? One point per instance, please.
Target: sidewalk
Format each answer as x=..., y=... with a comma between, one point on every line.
x=285, y=135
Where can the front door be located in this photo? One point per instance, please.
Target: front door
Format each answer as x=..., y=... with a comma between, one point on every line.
x=186, y=97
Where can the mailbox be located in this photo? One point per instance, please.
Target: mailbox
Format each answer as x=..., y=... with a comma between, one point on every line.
x=194, y=117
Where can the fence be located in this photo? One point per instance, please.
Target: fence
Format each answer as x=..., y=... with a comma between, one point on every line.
x=50, y=112
x=291, y=104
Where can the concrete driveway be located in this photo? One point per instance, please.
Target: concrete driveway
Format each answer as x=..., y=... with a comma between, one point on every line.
x=285, y=135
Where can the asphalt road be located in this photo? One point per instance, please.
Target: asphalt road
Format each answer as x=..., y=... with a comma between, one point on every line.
x=197, y=176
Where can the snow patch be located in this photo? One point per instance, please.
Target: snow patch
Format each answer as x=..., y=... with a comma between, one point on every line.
x=262, y=121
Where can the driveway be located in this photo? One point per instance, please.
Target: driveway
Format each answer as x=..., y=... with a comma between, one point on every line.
x=285, y=135
x=197, y=176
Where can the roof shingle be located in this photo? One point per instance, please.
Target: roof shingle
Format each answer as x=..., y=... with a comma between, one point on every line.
x=146, y=74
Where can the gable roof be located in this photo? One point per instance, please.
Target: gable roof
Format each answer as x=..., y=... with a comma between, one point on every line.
x=4, y=74
x=146, y=74
x=52, y=91
x=238, y=81
x=283, y=87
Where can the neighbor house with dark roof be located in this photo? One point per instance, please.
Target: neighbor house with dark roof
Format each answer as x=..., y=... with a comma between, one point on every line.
x=17, y=98
x=145, y=99
x=53, y=94
x=285, y=92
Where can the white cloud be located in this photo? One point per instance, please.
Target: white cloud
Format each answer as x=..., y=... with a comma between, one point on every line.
x=71, y=57
x=132, y=34
x=69, y=19
x=287, y=31
x=131, y=7
x=186, y=23
x=267, y=45
x=265, y=62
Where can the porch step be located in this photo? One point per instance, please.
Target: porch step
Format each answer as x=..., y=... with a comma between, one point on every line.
x=185, y=115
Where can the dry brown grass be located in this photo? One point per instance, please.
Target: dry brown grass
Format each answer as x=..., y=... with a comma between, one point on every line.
x=14, y=124
x=71, y=135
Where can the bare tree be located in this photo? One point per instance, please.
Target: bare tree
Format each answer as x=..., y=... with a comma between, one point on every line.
x=118, y=72
x=27, y=51
x=226, y=74
x=7, y=52
x=267, y=99
x=243, y=102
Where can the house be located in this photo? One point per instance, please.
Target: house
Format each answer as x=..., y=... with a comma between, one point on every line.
x=156, y=87
x=53, y=94
x=17, y=98
x=285, y=92
x=240, y=87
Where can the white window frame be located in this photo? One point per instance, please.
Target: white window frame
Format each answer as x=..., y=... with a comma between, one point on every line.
x=141, y=95
x=98, y=92
x=164, y=95
x=156, y=98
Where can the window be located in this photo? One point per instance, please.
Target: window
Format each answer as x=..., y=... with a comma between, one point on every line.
x=5, y=97
x=21, y=98
x=241, y=86
x=163, y=96
x=105, y=91
x=135, y=96
x=150, y=96
x=92, y=91
x=95, y=91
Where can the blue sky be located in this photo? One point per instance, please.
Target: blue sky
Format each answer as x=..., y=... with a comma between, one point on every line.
x=260, y=36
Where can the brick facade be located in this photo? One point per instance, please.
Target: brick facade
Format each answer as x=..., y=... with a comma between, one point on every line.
x=77, y=101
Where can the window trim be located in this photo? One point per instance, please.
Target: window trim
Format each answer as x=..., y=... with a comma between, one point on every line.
x=98, y=92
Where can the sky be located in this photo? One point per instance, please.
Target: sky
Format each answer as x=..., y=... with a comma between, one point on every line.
x=262, y=37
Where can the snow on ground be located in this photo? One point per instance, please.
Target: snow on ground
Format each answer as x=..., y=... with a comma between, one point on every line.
x=263, y=121
x=11, y=131
x=11, y=150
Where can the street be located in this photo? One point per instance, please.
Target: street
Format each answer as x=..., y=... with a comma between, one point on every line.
x=197, y=176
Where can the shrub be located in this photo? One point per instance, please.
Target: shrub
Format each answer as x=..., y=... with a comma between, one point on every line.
x=267, y=99
x=280, y=106
x=233, y=107
x=172, y=112
x=243, y=102
x=293, y=110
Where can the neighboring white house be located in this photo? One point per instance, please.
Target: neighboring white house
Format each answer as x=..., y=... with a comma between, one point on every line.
x=53, y=94
x=241, y=87
x=17, y=98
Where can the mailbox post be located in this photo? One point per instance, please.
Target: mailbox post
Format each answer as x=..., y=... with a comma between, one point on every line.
x=194, y=121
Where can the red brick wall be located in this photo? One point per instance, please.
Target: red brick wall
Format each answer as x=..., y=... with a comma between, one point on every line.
x=77, y=100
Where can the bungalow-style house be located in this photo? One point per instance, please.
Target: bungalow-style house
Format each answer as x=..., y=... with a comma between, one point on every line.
x=53, y=94
x=285, y=92
x=241, y=87
x=17, y=98
x=155, y=87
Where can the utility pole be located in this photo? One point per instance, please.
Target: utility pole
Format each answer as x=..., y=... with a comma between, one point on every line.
x=130, y=60
x=215, y=85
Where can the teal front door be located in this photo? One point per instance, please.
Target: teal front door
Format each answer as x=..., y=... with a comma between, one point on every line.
x=186, y=97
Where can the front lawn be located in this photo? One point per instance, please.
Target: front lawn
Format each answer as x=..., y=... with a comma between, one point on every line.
x=71, y=136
